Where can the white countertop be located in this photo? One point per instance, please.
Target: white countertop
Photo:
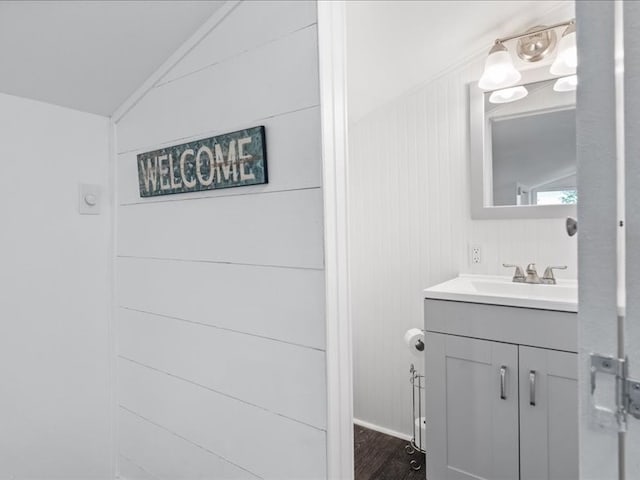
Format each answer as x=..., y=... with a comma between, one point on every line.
x=499, y=290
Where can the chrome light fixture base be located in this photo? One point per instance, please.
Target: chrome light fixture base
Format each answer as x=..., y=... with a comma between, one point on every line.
x=534, y=47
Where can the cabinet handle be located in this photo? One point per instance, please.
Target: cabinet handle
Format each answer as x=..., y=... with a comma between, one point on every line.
x=503, y=382
x=532, y=388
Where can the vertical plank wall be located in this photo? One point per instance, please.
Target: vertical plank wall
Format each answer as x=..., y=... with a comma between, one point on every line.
x=221, y=330
x=411, y=228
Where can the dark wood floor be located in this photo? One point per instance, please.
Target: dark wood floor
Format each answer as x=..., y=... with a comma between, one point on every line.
x=382, y=457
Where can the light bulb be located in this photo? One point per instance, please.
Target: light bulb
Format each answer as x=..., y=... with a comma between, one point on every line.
x=499, y=71
x=566, y=84
x=507, y=95
x=567, y=57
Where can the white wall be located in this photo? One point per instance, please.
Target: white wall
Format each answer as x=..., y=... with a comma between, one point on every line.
x=221, y=328
x=55, y=413
x=411, y=228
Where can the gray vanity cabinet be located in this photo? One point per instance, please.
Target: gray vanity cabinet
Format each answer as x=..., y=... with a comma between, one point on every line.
x=498, y=409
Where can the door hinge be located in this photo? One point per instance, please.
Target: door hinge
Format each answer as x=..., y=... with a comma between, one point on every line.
x=627, y=391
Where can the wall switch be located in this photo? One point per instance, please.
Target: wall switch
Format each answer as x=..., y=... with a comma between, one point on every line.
x=89, y=199
x=475, y=254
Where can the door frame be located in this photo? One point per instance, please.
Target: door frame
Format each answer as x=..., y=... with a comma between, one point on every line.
x=333, y=108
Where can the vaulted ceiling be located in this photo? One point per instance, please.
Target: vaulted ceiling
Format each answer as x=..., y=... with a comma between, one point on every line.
x=90, y=55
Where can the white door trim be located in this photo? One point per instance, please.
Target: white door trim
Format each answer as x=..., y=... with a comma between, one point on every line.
x=332, y=58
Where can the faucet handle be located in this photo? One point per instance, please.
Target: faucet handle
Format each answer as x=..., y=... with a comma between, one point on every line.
x=518, y=275
x=548, y=276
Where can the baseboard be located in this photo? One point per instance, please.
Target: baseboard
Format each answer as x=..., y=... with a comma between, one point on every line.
x=380, y=429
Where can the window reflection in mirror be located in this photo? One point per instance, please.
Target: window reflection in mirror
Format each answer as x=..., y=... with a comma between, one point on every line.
x=531, y=143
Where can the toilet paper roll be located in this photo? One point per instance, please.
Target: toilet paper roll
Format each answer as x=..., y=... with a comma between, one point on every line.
x=420, y=432
x=414, y=338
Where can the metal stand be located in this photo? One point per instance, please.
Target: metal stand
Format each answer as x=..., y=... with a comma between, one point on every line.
x=417, y=442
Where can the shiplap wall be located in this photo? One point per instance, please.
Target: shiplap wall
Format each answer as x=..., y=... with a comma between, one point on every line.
x=221, y=329
x=411, y=228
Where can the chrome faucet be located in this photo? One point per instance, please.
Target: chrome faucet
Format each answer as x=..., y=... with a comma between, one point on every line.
x=532, y=274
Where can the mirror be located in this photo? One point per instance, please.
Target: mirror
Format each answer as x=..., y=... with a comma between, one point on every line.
x=523, y=151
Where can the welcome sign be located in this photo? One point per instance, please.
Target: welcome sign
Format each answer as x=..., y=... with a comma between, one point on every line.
x=230, y=160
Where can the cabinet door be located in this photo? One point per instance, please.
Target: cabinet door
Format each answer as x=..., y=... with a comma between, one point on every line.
x=471, y=408
x=548, y=414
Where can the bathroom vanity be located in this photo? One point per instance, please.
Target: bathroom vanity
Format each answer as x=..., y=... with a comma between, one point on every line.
x=501, y=380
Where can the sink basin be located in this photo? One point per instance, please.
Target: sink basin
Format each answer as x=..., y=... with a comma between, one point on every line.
x=498, y=290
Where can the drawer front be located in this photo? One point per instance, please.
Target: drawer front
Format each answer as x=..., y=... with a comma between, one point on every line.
x=522, y=326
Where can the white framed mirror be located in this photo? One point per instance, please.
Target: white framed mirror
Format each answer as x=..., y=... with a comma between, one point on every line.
x=523, y=148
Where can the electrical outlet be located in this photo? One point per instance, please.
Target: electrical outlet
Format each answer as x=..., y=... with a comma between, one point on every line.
x=475, y=254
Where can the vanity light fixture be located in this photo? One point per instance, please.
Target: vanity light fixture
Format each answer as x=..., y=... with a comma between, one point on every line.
x=566, y=84
x=499, y=71
x=507, y=95
x=533, y=45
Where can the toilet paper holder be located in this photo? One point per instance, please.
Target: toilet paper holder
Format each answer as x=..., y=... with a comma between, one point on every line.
x=418, y=440
x=414, y=339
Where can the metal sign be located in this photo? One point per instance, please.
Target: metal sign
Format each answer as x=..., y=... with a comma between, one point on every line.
x=231, y=160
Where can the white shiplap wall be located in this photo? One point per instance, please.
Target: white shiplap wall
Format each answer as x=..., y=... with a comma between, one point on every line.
x=221, y=329
x=411, y=228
